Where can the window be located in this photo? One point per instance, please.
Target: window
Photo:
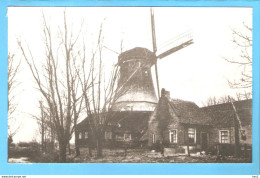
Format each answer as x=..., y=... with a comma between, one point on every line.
x=192, y=135
x=242, y=131
x=154, y=138
x=173, y=136
x=127, y=136
x=80, y=135
x=119, y=136
x=108, y=135
x=243, y=134
x=223, y=136
x=86, y=135
x=145, y=73
x=101, y=121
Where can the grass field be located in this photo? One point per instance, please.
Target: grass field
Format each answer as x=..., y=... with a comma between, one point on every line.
x=32, y=154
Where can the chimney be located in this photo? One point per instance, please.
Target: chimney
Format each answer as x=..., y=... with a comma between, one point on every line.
x=165, y=93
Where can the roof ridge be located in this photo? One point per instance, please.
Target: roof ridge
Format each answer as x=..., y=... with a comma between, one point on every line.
x=181, y=100
x=240, y=101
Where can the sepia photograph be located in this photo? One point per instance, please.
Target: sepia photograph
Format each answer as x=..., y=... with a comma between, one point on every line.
x=130, y=84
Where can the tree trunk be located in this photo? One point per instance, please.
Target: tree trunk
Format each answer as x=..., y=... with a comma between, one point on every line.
x=69, y=149
x=77, y=144
x=90, y=151
x=52, y=146
x=42, y=137
x=99, y=148
x=62, y=151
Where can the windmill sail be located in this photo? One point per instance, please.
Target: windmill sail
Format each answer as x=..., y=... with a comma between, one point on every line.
x=153, y=31
x=176, y=44
x=154, y=51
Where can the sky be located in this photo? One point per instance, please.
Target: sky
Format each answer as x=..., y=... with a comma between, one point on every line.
x=194, y=73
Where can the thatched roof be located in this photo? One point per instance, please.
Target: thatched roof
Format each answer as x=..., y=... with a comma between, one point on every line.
x=186, y=112
x=129, y=120
x=189, y=113
x=223, y=114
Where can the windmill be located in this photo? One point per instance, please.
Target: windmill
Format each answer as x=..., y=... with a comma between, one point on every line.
x=135, y=82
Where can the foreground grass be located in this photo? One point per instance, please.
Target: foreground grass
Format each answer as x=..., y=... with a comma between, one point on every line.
x=145, y=156
x=31, y=155
x=34, y=155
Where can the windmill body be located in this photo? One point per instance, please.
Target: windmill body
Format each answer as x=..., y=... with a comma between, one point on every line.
x=135, y=84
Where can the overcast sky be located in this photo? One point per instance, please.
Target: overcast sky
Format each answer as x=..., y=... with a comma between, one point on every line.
x=194, y=73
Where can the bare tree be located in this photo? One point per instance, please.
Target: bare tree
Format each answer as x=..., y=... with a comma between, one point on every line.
x=211, y=101
x=46, y=128
x=224, y=99
x=57, y=81
x=100, y=92
x=243, y=41
x=243, y=96
x=13, y=69
x=43, y=127
x=221, y=100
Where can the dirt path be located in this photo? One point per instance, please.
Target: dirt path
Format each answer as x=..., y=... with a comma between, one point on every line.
x=18, y=160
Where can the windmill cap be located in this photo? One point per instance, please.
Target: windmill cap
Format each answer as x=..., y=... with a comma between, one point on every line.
x=137, y=53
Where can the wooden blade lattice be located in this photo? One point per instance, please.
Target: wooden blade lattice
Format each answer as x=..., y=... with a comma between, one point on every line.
x=181, y=41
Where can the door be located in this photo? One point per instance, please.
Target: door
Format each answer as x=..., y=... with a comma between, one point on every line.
x=204, y=140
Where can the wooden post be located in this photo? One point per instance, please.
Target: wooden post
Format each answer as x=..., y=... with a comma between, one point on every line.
x=236, y=133
x=245, y=150
x=188, y=148
x=90, y=151
x=236, y=130
x=125, y=148
x=188, y=142
x=218, y=152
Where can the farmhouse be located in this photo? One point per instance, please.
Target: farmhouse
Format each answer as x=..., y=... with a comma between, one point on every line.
x=122, y=127
x=178, y=124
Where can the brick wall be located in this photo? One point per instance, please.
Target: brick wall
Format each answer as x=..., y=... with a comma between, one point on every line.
x=214, y=135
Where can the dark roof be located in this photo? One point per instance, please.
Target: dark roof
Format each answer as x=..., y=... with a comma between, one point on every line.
x=130, y=120
x=137, y=53
x=189, y=113
x=223, y=114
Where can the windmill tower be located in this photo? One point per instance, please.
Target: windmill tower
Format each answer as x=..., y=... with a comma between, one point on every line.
x=137, y=92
